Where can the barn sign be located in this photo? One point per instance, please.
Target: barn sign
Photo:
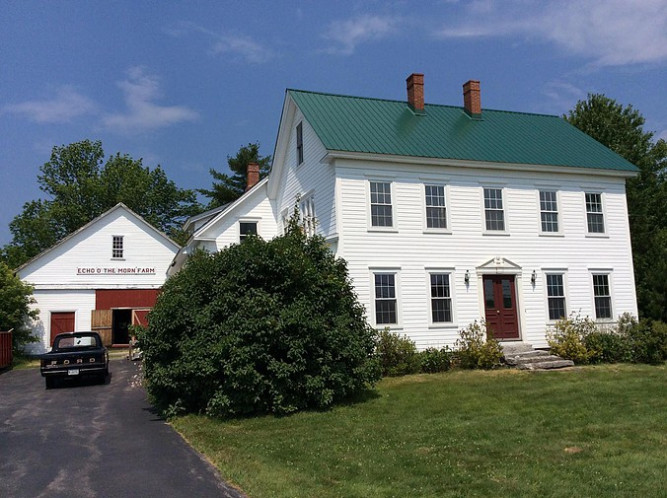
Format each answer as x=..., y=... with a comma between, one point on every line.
x=115, y=271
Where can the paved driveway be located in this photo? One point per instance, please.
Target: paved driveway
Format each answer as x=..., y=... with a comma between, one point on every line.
x=89, y=440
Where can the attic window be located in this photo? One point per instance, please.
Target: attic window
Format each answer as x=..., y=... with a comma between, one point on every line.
x=299, y=143
x=117, y=247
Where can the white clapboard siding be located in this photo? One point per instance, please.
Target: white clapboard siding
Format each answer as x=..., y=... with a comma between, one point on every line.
x=411, y=251
x=78, y=301
x=225, y=229
x=312, y=177
x=84, y=260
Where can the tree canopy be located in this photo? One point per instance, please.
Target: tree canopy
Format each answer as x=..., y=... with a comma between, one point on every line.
x=621, y=129
x=15, y=300
x=226, y=188
x=79, y=186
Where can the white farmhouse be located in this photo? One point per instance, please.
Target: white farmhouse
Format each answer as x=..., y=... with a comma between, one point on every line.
x=447, y=214
x=103, y=277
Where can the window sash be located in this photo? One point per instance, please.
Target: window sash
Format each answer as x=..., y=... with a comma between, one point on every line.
x=441, y=298
x=299, y=143
x=381, y=207
x=556, y=296
x=494, y=213
x=602, y=294
x=436, y=207
x=385, y=299
x=117, y=247
x=549, y=211
x=247, y=228
x=594, y=213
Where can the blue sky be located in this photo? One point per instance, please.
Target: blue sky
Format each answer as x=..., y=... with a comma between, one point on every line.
x=184, y=84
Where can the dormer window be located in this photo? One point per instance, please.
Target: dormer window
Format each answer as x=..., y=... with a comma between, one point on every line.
x=117, y=247
x=299, y=143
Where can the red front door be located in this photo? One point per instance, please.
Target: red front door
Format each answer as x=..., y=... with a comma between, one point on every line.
x=61, y=322
x=500, y=305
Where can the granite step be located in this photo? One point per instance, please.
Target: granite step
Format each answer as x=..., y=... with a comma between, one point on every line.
x=525, y=357
x=546, y=365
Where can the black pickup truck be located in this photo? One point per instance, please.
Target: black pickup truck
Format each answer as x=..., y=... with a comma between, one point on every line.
x=74, y=355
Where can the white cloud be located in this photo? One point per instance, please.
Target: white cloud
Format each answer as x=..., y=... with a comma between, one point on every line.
x=662, y=135
x=562, y=95
x=610, y=32
x=140, y=91
x=239, y=46
x=66, y=105
x=347, y=35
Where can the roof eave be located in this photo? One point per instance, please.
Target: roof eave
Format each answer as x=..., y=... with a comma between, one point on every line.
x=432, y=161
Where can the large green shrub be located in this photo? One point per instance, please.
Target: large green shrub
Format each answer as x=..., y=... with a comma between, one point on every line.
x=476, y=348
x=397, y=354
x=607, y=347
x=260, y=327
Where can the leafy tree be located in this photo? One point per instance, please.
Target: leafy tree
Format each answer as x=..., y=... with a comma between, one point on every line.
x=228, y=188
x=260, y=327
x=621, y=129
x=80, y=186
x=15, y=300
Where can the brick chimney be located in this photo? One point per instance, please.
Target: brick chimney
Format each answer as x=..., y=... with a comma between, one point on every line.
x=471, y=98
x=416, y=91
x=252, y=175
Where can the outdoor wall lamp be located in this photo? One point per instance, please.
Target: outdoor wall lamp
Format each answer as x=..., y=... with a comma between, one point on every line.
x=533, y=278
x=466, y=277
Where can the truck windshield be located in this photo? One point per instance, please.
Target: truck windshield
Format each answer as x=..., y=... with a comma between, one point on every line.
x=85, y=341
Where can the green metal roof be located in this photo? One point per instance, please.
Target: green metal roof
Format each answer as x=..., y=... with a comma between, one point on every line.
x=357, y=124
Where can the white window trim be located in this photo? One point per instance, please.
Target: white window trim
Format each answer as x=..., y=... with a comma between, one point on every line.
x=247, y=220
x=122, y=238
x=555, y=271
x=448, y=229
x=452, y=296
x=605, y=219
x=302, y=159
x=284, y=219
x=559, y=212
x=610, y=282
x=392, y=191
x=503, y=190
x=396, y=271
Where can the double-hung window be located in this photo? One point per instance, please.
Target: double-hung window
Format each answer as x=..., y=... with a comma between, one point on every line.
x=117, y=247
x=299, y=143
x=549, y=211
x=436, y=206
x=494, y=213
x=381, y=208
x=602, y=296
x=555, y=296
x=441, y=298
x=246, y=229
x=386, y=306
x=307, y=207
x=594, y=213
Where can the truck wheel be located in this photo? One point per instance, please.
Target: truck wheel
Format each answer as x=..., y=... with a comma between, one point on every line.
x=50, y=382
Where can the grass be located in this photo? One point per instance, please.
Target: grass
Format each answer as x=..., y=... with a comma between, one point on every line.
x=593, y=431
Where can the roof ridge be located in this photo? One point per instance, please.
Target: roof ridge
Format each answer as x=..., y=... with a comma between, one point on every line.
x=426, y=104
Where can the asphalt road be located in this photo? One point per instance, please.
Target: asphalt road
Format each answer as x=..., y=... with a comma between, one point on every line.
x=90, y=440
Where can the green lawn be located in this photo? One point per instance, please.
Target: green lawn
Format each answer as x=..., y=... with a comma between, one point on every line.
x=594, y=431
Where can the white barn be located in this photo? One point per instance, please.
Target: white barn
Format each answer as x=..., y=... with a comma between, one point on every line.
x=447, y=214
x=103, y=277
